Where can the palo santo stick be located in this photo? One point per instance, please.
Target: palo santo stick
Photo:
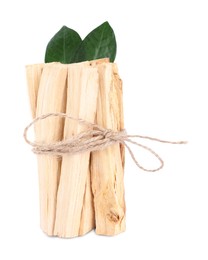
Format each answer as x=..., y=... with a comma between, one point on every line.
x=81, y=103
x=33, y=74
x=88, y=214
x=51, y=98
x=119, y=89
x=107, y=165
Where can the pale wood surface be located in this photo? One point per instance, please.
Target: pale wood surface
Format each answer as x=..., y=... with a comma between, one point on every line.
x=81, y=103
x=86, y=90
x=51, y=98
x=87, y=221
x=33, y=74
x=107, y=165
x=119, y=89
x=88, y=213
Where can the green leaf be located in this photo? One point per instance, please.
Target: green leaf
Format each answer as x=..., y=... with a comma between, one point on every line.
x=63, y=46
x=100, y=43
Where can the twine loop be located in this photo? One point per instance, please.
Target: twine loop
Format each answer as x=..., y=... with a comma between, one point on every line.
x=95, y=138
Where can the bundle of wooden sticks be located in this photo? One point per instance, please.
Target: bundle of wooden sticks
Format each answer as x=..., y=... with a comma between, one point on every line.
x=83, y=191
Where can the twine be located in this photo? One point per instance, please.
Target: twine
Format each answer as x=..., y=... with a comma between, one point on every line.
x=96, y=138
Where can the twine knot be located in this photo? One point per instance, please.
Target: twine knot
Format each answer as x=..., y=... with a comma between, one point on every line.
x=94, y=139
x=108, y=133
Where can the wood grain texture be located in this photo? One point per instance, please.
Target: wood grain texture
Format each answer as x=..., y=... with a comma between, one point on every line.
x=119, y=89
x=51, y=98
x=81, y=103
x=107, y=165
x=88, y=213
x=79, y=188
x=87, y=221
x=33, y=75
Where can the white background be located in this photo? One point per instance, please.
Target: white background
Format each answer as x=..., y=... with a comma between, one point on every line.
x=163, y=61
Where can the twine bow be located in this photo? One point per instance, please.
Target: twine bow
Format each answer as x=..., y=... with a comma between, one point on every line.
x=94, y=139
